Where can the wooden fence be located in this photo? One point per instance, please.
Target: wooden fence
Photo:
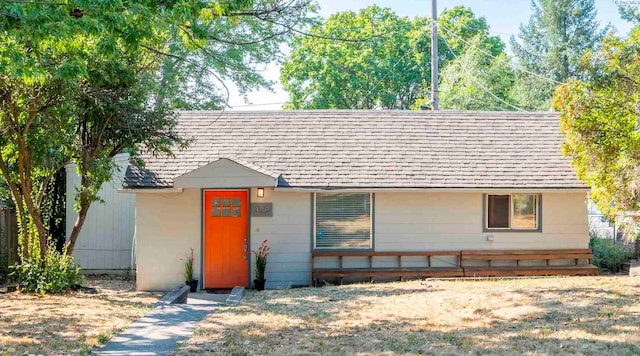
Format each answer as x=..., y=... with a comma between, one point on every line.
x=8, y=238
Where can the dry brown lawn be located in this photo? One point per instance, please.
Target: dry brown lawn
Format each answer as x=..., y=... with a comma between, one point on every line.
x=69, y=323
x=537, y=316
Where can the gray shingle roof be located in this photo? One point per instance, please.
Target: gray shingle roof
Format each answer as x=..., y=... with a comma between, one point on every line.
x=374, y=149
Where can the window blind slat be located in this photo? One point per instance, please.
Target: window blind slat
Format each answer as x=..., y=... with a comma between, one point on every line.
x=343, y=220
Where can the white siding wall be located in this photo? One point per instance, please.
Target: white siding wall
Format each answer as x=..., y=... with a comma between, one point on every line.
x=169, y=224
x=289, y=235
x=106, y=239
x=167, y=227
x=453, y=221
x=223, y=174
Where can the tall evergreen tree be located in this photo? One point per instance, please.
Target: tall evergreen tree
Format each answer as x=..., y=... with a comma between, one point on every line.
x=551, y=45
x=629, y=13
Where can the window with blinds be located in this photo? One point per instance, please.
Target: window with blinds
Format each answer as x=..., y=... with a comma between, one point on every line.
x=342, y=220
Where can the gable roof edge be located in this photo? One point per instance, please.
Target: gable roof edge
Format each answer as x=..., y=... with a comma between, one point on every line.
x=252, y=167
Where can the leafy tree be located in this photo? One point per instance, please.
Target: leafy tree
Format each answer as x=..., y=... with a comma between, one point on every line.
x=84, y=80
x=551, y=45
x=476, y=81
x=202, y=55
x=373, y=58
x=600, y=121
x=459, y=26
x=370, y=64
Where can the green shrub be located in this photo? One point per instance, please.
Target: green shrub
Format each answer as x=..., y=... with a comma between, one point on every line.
x=58, y=272
x=608, y=255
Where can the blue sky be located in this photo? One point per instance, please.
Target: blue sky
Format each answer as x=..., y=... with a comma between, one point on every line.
x=503, y=16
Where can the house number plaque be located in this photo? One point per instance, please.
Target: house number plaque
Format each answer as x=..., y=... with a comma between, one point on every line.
x=263, y=210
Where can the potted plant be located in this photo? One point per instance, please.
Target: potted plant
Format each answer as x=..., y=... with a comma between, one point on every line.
x=261, y=265
x=188, y=273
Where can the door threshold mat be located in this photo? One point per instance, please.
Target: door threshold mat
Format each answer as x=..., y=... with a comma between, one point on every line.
x=219, y=290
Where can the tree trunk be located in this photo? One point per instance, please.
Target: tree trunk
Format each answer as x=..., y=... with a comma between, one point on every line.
x=24, y=170
x=77, y=227
x=85, y=203
x=36, y=218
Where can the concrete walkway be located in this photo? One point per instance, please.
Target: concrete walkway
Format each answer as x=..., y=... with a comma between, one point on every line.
x=158, y=332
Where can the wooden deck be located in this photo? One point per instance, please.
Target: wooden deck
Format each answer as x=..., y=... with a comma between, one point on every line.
x=570, y=262
x=466, y=263
x=373, y=270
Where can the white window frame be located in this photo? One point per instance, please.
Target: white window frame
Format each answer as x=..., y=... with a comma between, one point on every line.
x=371, y=206
x=537, y=209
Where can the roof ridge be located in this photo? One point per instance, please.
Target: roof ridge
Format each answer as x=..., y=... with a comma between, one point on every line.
x=379, y=112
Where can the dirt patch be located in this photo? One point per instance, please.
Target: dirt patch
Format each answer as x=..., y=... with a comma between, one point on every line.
x=70, y=323
x=556, y=315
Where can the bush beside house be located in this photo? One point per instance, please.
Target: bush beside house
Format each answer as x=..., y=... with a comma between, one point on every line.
x=609, y=255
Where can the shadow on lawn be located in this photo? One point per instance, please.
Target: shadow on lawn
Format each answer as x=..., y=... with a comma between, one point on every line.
x=586, y=320
x=373, y=339
x=347, y=292
x=52, y=324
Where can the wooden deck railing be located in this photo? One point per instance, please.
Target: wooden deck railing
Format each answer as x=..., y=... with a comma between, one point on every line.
x=466, y=263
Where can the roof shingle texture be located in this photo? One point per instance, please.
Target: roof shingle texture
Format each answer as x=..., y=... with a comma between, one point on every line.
x=374, y=149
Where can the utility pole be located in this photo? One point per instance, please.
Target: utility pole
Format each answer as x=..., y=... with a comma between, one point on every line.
x=434, y=55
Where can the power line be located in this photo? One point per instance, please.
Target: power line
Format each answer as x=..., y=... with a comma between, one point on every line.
x=494, y=57
x=473, y=77
x=485, y=29
x=368, y=96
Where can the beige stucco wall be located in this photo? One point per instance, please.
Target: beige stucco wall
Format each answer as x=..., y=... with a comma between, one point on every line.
x=167, y=225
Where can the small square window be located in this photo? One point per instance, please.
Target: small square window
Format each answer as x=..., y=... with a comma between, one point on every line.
x=226, y=202
x=215, y=212
x=513, y=212
x=216, y=201
x=235, y=212
x=226, y=212
x=236, y=202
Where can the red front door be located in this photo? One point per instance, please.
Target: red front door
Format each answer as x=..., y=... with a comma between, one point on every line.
x=225, y=239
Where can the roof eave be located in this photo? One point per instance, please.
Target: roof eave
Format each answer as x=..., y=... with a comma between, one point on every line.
x=151, y=190
x=436, y=189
